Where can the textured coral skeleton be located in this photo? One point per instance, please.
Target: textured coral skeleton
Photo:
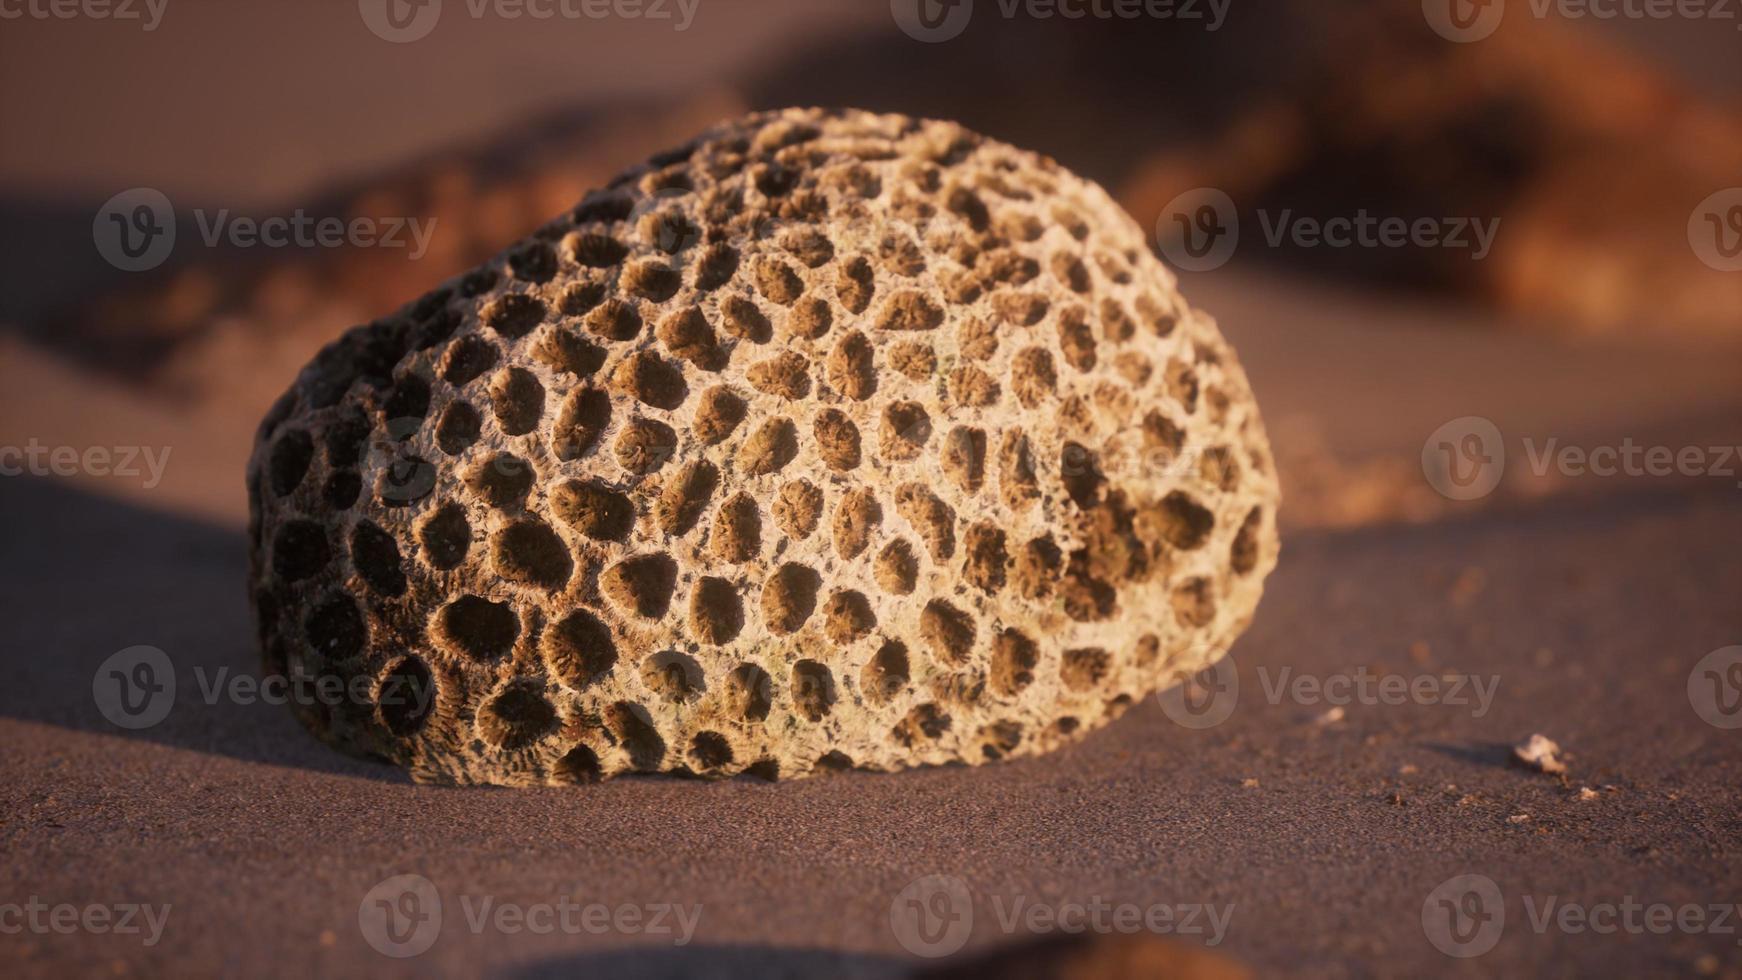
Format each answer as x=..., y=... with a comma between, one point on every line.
x=827, y=440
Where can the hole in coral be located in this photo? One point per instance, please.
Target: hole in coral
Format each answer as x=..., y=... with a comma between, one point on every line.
x=518, y=716
x=947, y=630
x=514, y=315
x=405, y=481
x=503, y=480
x=1243, y=555
x=837, y=439
x=446, y=536
x=847, y=616
x=719, y=413
x=737, y=531
x=528, y=552
x=886, y=673
x=641, y=585
x=685, y=496
x=342, y=489
x=749, y=692
x=770, y=447
x=346, y=437
x=632, y=729
x=478, y=628
x=518, y=400
x=813, y=689
x=594, y=509
x=614, y=319
x=335, y=629
x=716, y=613
x=1083, y=669
x=579, y=650
x=291, y=455
x=405, y=409
x=650, y=379
x=535, y=263
x=467, y=359
x=598, y=251
x=897, y=567
x=299, y=550
x=375, y=555
x=579, y=765
x=645, y=445
x=583, y=419
x=1183, y=522
x=1013, y=658
x=672, y=676
x=405, y=696
x=458, y=429
x=789, y=596
x=710, y=750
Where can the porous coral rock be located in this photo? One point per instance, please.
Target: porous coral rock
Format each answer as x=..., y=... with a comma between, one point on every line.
x=829, y=439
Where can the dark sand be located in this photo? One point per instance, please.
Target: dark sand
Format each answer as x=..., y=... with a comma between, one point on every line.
x=1590, y=611
x=1589, y=600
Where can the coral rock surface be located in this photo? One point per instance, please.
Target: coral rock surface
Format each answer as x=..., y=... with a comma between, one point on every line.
x=827, y=440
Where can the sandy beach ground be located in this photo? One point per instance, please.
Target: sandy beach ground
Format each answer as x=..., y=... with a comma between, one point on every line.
x=1296, y=816
x=1574, y=606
